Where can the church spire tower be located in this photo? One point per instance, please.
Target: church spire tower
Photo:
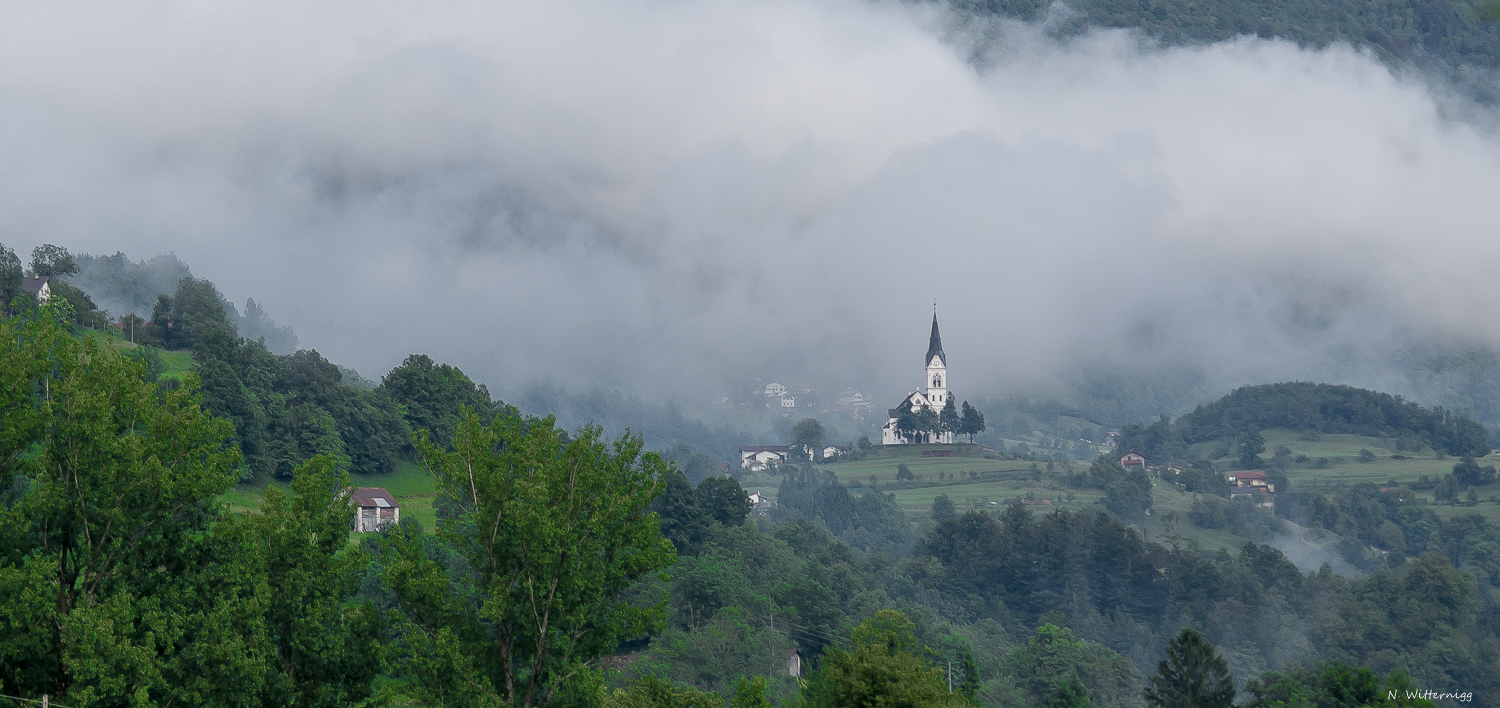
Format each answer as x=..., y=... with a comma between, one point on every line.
x=937, y=369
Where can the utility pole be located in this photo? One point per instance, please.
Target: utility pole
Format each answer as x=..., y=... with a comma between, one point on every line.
x=950, y=667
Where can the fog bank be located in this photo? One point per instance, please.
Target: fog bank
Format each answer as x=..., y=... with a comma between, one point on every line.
x=675, y=197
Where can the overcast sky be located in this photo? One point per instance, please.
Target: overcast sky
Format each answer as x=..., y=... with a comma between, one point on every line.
x=675, y=195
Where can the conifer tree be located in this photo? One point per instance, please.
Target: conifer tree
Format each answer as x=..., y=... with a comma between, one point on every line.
x=1192, y=676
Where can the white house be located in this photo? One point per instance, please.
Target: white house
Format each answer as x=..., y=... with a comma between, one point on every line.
x=775, y=390
x=788, y=401
x=934, y=396
x=760, y=457
x=851, y=397
x=832, y=451
x=794, y=663
x=38, y=287
x=376, y=507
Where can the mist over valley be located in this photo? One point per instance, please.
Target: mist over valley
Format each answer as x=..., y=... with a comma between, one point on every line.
x=1206, y=415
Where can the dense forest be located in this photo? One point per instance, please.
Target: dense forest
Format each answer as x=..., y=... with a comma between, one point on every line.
x=1445, y=34
x=1309, y=407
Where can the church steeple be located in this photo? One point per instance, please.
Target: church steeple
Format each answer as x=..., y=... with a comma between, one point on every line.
x=935, y=345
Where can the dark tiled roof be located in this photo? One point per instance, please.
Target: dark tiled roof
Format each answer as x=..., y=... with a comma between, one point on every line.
x=935, y=345
x=34, y=283
x=367, y=496
x=764, y=448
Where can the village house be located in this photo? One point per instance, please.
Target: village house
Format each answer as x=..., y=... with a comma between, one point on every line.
x=1253, y=485
x=761, y=457
x=1133, y=459
x=1171, y=471
x=832, y=451
x=761, y=503
x=775, y=390
x=38, y=287
x=1250, y=480
x=376, y=507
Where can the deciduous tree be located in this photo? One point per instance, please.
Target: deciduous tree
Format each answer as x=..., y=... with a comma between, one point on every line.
x=553, y=530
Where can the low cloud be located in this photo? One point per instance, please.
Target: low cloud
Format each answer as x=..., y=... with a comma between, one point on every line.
x=676, y=196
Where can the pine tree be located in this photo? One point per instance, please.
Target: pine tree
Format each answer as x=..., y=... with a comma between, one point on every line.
x=1192, y=676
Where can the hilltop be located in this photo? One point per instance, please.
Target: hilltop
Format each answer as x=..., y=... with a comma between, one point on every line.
x=1437, y=33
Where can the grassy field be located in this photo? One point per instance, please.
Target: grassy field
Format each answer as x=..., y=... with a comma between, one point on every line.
x=972, y=481
x=177, y=362
x=412, y=487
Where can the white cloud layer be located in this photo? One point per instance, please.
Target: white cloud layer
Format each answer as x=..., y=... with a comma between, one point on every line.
x=682, y=194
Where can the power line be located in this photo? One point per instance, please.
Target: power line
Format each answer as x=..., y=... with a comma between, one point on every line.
x=49, y=703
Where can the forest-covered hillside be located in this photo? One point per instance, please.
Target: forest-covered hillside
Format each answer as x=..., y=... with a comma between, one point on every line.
x=1445, y=33
x=126, y=579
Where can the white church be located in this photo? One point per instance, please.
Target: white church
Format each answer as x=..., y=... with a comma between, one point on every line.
x=935, y=396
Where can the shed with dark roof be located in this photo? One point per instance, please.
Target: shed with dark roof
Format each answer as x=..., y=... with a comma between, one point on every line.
x=376, y=507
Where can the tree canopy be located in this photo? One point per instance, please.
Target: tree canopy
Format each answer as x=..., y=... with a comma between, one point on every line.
x=553, y=529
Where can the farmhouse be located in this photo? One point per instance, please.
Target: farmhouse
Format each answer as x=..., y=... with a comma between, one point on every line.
x=1133, y=459
x=1253, y=485
x=376, y=507
x=38, y=287
x=760, y=457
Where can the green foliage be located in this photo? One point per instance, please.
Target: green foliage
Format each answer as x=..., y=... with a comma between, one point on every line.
x=1070, y=695
x=882, y=670
x=288, y=409
x=683, y=520
x=83, y=311
x=1250, y=443
x=1054, y=659
x=104, y=483
x=948, y=419
x=872, y=522
x=1450, y=32
x=1129, y=496
x=129, y=286
x=1193, y=675
x=1468, y=472
x=919, y=425
x=1328, y=408
x=149, y=358
x=971, y=422
x=724, y=500
x=943, y=508
x=1332, y=685
x=191, y=314
x=52, y=261
x=124, y=582
x=1159, y=442
x=553, y=530
x=903, y=473
x=431, y=395
x=808, y=434
x=328, y=646
x=652, y=692
x=10, y=276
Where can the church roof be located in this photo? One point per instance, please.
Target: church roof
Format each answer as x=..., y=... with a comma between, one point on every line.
x=935, y=345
